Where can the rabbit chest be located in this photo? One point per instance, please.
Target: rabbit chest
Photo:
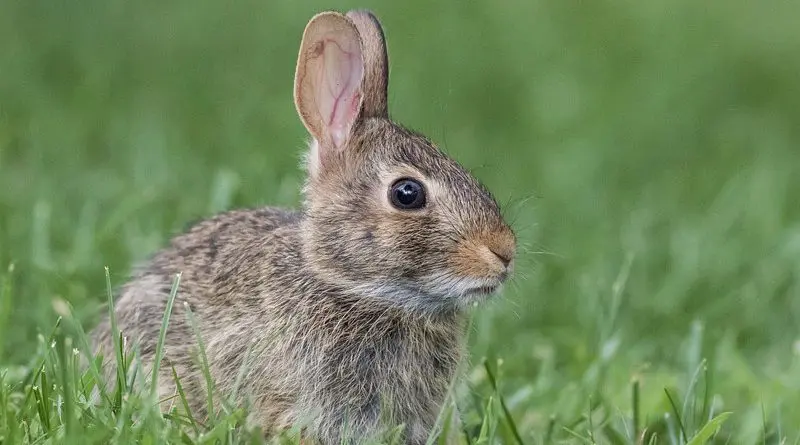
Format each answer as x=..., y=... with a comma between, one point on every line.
x=373, y=367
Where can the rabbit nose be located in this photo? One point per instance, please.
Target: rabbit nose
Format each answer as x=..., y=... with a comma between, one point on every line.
x=503, y=257
x=487, y=254
x=502, y=245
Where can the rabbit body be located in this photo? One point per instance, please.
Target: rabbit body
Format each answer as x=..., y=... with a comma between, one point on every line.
x=345, y=317
x=315, y=350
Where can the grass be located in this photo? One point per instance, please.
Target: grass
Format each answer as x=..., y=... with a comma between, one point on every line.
x=647, y=153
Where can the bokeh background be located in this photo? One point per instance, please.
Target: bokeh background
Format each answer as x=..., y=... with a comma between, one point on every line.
x=648, y=153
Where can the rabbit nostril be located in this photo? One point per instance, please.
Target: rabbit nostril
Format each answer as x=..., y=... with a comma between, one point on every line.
x=505, y=259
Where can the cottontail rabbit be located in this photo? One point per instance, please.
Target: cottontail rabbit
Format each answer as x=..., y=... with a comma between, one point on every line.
x=354, y=305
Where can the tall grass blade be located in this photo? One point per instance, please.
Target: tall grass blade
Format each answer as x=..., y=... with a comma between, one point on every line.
x=689, y=401
x=42, y=408
x=184, y=401
x=33, y=377
x=509, y=419
x=162, y=335
x=67, y=380
x=93, y=363
x=675, y=410
x=117, y=340
x=201, y=350
x=709, y=429
x=444, y=434
x=613, y=436
x=590, y=419
x=483, y=436
x=636, y=408
x=551, y=427
x=707, y=413
x=5, y=306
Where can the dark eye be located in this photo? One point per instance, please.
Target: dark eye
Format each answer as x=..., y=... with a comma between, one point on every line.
x=407, y=194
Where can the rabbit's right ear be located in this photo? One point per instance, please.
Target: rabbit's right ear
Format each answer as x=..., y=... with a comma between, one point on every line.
x=328, y=80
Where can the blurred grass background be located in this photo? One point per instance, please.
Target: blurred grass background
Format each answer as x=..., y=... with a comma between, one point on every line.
x=648, y=152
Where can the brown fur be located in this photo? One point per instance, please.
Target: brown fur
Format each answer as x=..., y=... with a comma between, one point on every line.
x=353, y=309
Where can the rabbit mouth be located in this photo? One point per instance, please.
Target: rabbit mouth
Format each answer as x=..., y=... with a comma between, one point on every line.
x=483, y=290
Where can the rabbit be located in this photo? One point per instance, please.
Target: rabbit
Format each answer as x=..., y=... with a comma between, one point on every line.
x=352, y=309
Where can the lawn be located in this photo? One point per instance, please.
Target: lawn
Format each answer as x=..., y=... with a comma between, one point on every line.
x=647, y=152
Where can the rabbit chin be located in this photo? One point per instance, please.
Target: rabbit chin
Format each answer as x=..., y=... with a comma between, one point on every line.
x=436, y=294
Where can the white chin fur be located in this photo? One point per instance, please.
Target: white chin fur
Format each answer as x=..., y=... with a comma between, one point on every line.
x=439, y=292
x=459, y=286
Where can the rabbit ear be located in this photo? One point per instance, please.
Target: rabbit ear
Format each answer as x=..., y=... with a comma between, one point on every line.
x=376, y=63
x=328, y=81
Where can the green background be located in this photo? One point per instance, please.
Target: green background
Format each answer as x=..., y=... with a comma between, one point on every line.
x=646, y=151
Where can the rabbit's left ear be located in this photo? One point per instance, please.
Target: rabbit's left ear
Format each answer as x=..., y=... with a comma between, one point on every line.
x=376, y=63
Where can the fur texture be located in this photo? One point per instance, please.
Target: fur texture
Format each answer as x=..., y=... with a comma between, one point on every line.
x=354, y=309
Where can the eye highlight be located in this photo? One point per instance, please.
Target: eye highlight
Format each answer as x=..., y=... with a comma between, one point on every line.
x=407, y=194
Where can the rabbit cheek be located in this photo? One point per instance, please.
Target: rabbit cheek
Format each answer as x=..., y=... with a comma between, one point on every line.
x=408, y=242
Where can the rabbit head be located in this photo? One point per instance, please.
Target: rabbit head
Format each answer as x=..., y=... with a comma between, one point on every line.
x=388, y=215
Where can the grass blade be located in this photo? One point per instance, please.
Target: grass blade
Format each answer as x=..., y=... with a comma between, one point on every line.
x=243, y=371
x=613, y=436
x=506, y=413
x=117, y=339
x=45, y=401
x=42, y=406
x=93, y=364
x=67, y=380
x=578, y=436
x=483, y=436
x=203, y=363
x=709, y=429
x=707, y=412
x=636, y=408
x=184, y=401
x=218, y=432
x=689, y=401
x=5, y=305
x=677, y=416
x=33, y=377
x=162, y=335
x=551, y=427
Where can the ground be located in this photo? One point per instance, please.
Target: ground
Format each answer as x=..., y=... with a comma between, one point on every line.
x=646, y=152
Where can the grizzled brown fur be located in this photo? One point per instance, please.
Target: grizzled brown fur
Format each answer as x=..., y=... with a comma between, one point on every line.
x=353, y=308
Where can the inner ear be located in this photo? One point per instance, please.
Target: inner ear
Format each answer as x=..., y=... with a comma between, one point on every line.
x=328, y=80
x=338, y=97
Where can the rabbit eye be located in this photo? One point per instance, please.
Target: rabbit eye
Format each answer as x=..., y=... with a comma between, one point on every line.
x=407, y=194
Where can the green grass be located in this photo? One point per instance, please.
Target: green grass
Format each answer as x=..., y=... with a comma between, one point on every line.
x=648, y=154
